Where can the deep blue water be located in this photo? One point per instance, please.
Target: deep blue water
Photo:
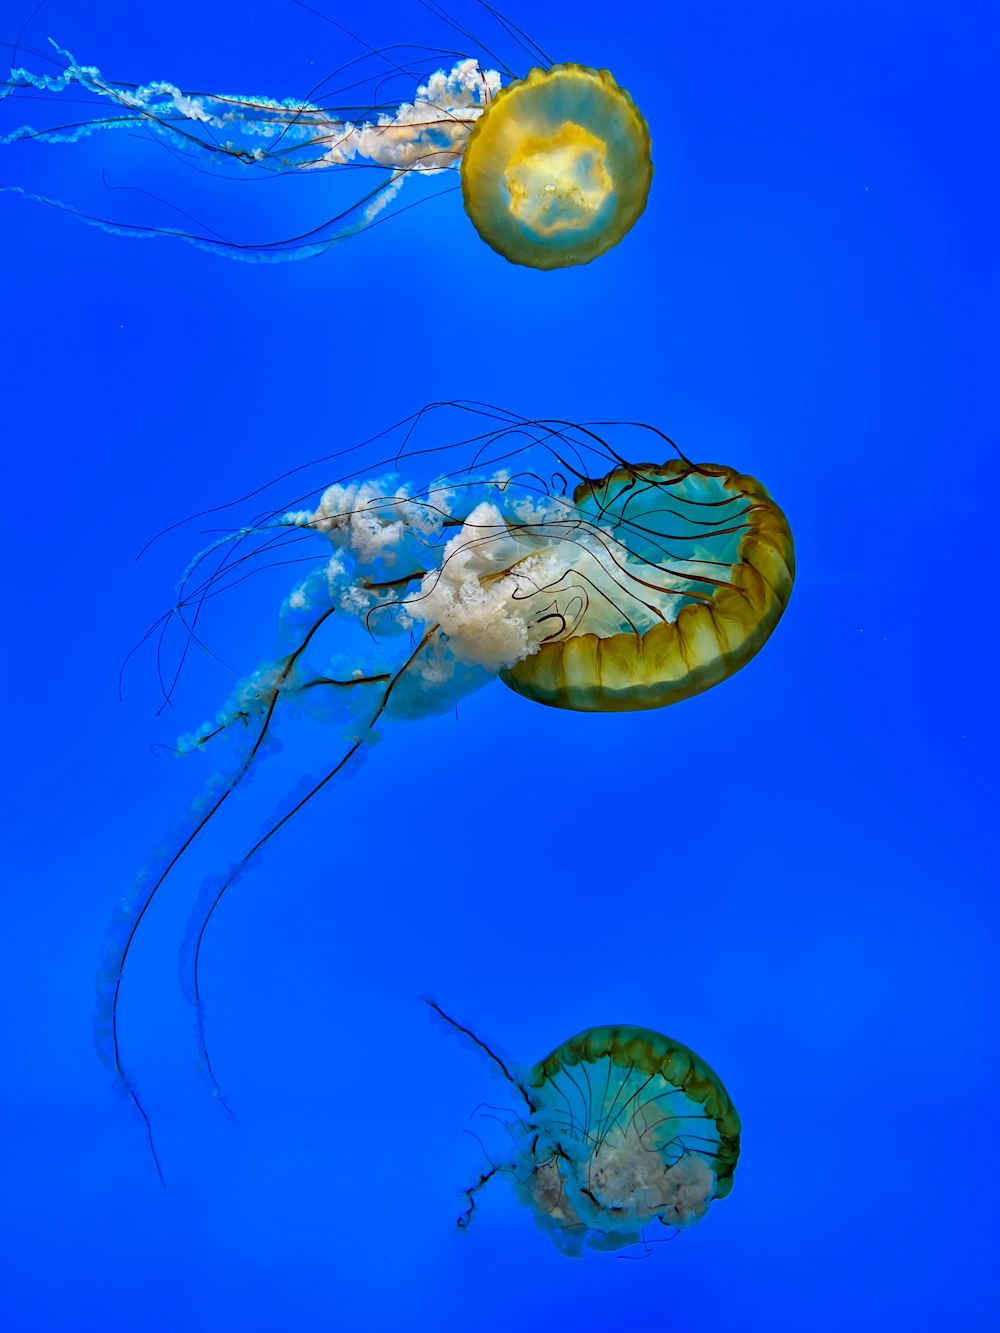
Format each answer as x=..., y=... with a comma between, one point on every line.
x=793, y=873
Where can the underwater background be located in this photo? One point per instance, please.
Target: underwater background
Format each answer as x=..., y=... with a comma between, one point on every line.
x=793, y=873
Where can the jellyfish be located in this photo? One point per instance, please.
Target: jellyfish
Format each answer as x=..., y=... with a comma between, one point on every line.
x=622, y=1128
x=461, y=545
x=554, y=166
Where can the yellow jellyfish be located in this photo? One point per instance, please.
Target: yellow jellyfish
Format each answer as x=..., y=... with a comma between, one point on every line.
x=558, y=167
x=555, y=167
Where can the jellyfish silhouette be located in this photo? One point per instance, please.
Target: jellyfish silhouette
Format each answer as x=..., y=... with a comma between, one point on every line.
x=555, y=166
x=622, y=1128
x=462, y=544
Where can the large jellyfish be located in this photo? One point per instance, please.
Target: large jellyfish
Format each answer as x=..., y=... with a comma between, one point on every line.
x=463, y=544
x=555, y=166
x=621, y=1128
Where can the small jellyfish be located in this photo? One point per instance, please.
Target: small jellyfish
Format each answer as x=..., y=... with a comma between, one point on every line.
x=621, y=1129
x=558, y=167
x=463, y=544
x=555, y=166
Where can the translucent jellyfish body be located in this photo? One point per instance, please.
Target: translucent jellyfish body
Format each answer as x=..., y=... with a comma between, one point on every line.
x=622, y=1128
x=558, y=167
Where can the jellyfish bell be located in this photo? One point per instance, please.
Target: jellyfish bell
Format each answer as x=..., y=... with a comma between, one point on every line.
x=658, y=1143
x=463, y=544
x=624, y=1128
x=721, y=619
x=557, y=168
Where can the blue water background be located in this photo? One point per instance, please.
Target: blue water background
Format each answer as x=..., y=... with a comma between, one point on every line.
x=794, y=873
